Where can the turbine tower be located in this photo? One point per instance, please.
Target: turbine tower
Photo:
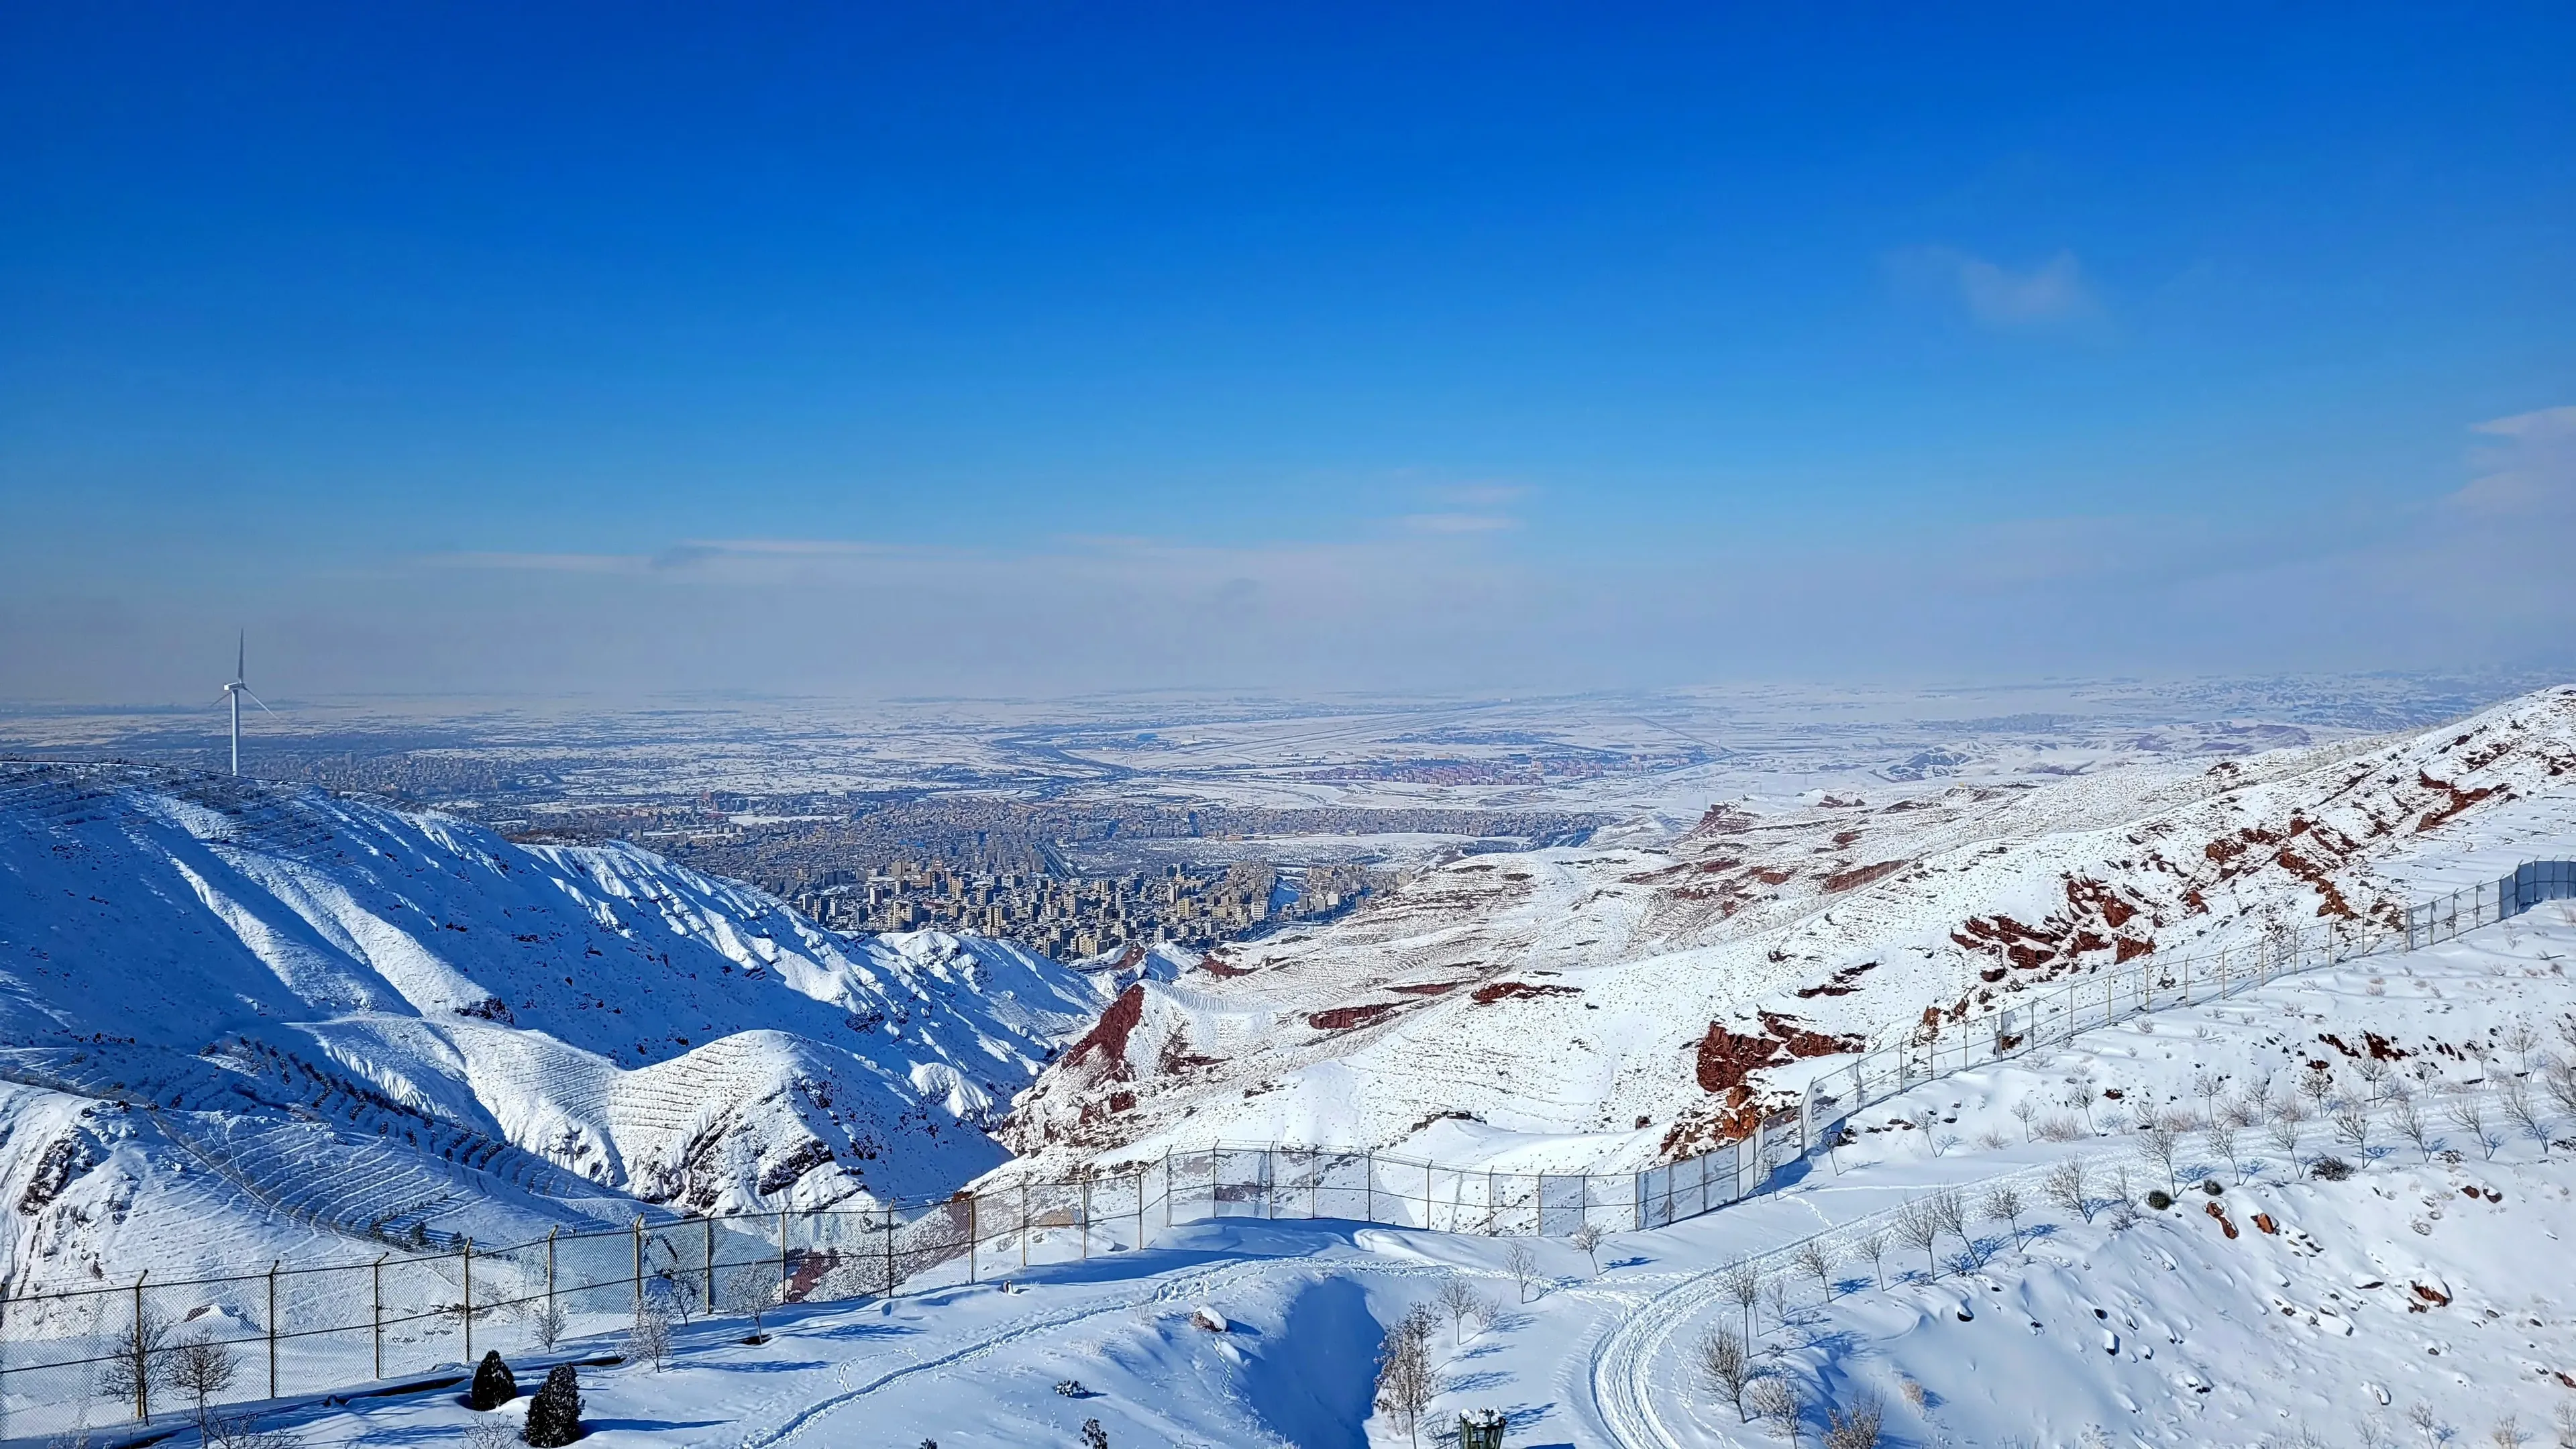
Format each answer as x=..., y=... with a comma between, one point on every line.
x=233, y=693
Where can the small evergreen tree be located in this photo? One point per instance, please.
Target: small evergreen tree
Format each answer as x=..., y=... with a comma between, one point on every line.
x=494, y=1384
x=554, y=1417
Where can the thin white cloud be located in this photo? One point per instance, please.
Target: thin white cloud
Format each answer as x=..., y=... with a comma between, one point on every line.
x=1481, y=495
x=541, y=563
x=2532, y=471
x=2052, y=294
x=1459, y=522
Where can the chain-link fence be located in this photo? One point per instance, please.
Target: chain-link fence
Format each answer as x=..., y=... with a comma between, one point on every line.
x=142, y=1349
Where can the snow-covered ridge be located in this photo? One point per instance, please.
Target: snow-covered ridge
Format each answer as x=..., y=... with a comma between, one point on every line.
x=541, y=1031
x=1599, y=995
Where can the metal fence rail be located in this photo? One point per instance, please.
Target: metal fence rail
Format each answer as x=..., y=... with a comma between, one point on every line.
x=103, y=1354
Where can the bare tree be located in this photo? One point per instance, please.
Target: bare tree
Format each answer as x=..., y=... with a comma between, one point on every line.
x=1778, y=1295
x=2220, y=1136
x=1951, y=1207
x=2521, y=1040
x=2027, y=1111
x=2079, y=1095
x=548, y=1322
x=1742, y=1282
x=2207, y=1086
x=1918, y=1227
x=2069, y=1185
x=1406, y=1382
x=2258, y=1099
x=2513, y=1095
x=1873, y=1246
x=200, y=1369
x=2004, y=1205
x=2240, y=1113
x=650, y=1338
x=1457, y=1302
x=1854, y=1425
x=1817, y=1261
x=2407, y=1116
x=1522, y=1264
x=2352, y=1125
x=137, y=1358
x=1777, y=1399
x=2162, y=1143
x=1726, y=1367
x=2468, y=1113
x=2287, y=1119
x=751, y=1293
x=1587, y=1239
x=2318, y=1087
x=2558, y=1079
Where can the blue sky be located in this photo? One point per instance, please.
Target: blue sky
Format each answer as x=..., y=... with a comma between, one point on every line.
x=1496, y=347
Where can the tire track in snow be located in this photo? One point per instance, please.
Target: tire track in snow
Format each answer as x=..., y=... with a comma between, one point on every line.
x=1624, y=1359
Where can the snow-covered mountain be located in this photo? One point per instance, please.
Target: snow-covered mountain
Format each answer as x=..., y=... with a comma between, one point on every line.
x=224, y=1002
x=1590, y=1008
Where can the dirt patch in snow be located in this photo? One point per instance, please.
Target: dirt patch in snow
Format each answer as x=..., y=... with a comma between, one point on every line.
x=1858, y=876
x=1520, y=991
x=1344, y=1018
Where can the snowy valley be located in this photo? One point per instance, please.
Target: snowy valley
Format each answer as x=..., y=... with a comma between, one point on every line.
x=249, y=1023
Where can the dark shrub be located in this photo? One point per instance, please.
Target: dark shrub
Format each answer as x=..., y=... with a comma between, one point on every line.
x=554, y=1418
x=2159, y=1199
x=2332, y=1169
x=494, y=1384
x=2212, y=1188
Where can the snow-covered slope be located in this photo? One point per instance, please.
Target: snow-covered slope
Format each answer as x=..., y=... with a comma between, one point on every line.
x=1606, y=1008
x=2306, y=1310
x=264, y=990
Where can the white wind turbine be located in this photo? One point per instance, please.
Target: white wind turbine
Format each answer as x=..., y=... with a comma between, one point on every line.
x=233, y=693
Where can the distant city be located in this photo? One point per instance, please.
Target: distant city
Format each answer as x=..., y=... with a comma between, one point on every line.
x=1073, y=881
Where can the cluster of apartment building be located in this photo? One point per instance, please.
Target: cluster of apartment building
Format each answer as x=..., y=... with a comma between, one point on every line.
x=1071, y=919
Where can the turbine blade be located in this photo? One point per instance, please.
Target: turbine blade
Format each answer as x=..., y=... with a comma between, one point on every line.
x=241, y=654
x=255, y=699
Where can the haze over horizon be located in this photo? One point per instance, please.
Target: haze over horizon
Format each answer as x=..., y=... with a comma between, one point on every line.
x=622, y=354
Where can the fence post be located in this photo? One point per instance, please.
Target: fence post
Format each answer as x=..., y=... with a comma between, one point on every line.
x=1426, y=1197
x=974, y=1236
x=782, y=1254
x=708, y=1222
x=1368, y=1184
x=889, y=1249
x=639, y=1266
x=1168, y=1189
x=1024, y=1223
x=377, y=1322
x=142, y=1356
x=1140, y=1208
x=1084, y=1231
x=272, y=1327
x=467, y=1249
